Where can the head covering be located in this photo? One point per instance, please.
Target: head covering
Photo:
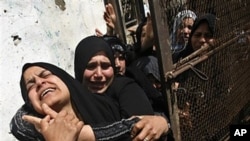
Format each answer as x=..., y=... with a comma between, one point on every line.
x=92, y=108
x=116, y=44
x=177, y=21
x=86, y=49
x=210, y=20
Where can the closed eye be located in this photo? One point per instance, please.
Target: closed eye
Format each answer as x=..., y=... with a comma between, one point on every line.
x=31, y=83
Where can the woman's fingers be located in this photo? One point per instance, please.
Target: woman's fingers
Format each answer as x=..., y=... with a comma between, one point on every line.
x=45, y=123
x=33, y=120
x=149, y=128
x=47, y=110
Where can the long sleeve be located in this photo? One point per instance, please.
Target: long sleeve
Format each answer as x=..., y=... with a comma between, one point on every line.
x=130, y=97
x=116, y=131
x=25, y=131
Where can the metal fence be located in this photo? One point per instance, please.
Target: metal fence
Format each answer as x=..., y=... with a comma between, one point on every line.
x=214, y=88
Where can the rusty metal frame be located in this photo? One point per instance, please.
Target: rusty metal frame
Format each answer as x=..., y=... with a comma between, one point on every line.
x=161, y=34
x=122, y=25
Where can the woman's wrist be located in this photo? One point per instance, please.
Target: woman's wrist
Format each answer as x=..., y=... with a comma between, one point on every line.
x=86, y=134
x=115, y=130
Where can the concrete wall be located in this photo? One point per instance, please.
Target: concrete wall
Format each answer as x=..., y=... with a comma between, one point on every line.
x=39, y=30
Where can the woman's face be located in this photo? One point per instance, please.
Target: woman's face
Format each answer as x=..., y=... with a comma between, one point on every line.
x=45, y=87
x=120, y=63
x=202, y=36
x=184, y=30
x=98, y=74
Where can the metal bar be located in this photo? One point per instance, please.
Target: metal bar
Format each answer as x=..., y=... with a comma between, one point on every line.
x=163, y=49
x=180, y=69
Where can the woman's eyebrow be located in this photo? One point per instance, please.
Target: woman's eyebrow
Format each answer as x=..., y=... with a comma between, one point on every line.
x=42, y=72
x=31, y=80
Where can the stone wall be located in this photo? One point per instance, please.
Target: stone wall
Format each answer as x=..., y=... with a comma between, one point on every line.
x=35, y=30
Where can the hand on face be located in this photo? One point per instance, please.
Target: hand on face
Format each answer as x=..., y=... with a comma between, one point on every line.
x=45, y=87
x=202, y=36
x=63, y=127
x=149, y=128
x=36, y=121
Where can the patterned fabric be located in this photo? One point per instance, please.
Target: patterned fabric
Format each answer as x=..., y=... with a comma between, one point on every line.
x=177, y=22
x=115, y=130
x=23, y=130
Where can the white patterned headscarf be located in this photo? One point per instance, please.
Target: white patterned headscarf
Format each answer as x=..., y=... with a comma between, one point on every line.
x=178, y=20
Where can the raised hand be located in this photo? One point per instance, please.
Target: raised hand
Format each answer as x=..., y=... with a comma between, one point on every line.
x=149, y=29
x=110, y=18
x=147, y=37
x=98, y=33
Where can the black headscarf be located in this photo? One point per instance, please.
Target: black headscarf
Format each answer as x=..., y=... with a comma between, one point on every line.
x=139, y=70
x=116, y=44
x=86, y=49
x=96, y=110
x=92, y=108
x=210, y=20
x=122, y=89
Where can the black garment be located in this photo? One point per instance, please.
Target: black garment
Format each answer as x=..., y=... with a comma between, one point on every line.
x=24, y=131
x=94, y=109
x=117, y=131
x=139, y=70
x=130, y=99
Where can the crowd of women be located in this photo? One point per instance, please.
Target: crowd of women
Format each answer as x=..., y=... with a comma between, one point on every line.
x=116, y=91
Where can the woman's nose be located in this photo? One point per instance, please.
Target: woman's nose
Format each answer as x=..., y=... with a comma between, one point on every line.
x=202, y=39
x=186, y=30
x=117, y=62
x=98, y=71
x=39, y=81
